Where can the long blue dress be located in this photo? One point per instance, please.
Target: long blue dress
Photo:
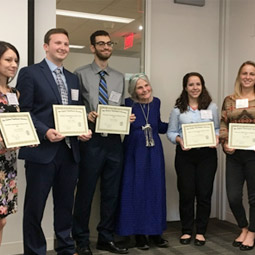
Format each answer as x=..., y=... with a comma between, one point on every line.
x=142, y=208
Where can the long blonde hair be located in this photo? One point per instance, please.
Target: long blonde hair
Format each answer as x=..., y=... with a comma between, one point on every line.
x=238, y=87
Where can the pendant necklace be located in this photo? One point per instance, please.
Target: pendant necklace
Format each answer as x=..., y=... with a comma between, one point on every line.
x=147, y=128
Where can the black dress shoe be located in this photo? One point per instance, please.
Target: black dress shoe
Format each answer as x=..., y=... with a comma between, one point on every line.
x=236, y=243
x=185, y=240
x=84, y=251
x=246, y=247
x=111, y=247
x=141, y=242
x=199, y=242
x=158, y=241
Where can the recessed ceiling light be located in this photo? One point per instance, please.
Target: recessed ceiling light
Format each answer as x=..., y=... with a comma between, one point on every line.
x=140, y=27
x=93, y=16
x=76, y=46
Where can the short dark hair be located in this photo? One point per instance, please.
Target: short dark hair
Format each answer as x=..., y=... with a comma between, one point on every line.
x=54, y=31
x=204, y=98
x=4, y=46
x=97, y=33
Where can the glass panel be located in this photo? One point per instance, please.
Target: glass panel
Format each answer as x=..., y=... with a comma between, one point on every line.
x=128, y=38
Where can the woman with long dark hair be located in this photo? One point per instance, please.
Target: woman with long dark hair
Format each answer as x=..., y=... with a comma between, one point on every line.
x=195, y=167
x=9, y=62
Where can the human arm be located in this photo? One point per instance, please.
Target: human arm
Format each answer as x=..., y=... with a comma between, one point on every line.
x=224, y=123
x=26, y=86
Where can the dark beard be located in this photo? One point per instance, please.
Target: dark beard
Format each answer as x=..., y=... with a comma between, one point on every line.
x=102, y=57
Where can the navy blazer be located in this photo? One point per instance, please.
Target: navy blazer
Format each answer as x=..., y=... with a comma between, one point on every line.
x=38, y=92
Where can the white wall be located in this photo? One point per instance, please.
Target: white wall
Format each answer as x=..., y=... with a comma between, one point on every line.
x=183, y=38
x=15, y=12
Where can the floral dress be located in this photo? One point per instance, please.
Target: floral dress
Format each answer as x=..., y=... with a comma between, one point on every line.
x=8, y=168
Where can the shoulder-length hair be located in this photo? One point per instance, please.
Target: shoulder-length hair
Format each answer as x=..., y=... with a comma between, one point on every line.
x=238, y=87
x=4, y=46
x=204, y=98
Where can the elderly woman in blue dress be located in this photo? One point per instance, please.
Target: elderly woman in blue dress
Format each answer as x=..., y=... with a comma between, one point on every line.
x=142, y=209
x=195, y=167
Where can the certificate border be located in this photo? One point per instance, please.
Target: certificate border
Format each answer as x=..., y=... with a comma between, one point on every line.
x=9, y=144
x=57, y=107
x=190, y=146
x=230, y=134
x=113, y=131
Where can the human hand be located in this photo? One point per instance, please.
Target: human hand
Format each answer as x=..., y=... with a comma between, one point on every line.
x=92, y=116
x=227, y=149
x=180, y=141
x=132, y=118
x=86, y=137
x=54, y=136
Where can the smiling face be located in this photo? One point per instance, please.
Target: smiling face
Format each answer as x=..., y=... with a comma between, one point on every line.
x=102, y=48
x=247, y=77
x=143, y=91
x=57, y=49
x=194, y=87
x=8, y=64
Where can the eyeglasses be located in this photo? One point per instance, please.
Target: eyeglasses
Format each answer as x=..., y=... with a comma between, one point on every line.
x=102, y=44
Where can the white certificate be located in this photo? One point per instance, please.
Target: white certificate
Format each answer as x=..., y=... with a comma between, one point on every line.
x=18, y=129
x=70, y=120
x=113, y=119
x=197, y=135
x=241, y=136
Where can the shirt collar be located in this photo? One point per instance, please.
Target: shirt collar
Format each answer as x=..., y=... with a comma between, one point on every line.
x=96, y=69
x=52, y=66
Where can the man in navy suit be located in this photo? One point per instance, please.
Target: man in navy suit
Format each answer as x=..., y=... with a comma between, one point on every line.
x=54, y=163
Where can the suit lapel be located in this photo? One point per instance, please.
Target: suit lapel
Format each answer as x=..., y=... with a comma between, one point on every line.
x=47, y=73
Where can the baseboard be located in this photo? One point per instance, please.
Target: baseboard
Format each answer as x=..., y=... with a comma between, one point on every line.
x=13, y=248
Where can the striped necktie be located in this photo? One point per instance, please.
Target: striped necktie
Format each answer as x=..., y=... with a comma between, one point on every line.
x=103, y=95
x=61, y=86
x=64, y=95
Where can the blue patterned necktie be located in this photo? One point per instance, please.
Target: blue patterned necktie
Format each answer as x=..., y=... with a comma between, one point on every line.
x=61, y=86
x=103, y=95
x=64, y=95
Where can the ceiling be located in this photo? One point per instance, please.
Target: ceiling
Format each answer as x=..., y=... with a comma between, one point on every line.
x=80, y=29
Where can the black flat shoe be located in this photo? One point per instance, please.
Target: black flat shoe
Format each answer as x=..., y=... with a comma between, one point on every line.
x=185, y=240
x=199, y=242
x=158, y=241
x=141, y=242
x=246, y=247
x=111, y=247
x=236, y=243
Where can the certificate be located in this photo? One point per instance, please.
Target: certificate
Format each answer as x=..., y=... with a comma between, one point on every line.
x=241, y=136
x=18, y=129
x=197, y=135
x=113, y=119
x=70, y=120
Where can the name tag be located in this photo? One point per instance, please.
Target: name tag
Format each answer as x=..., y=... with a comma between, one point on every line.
x=206, y=114
x=12, y=99
x=75, y=94
x=242, y=103
x=115, y=96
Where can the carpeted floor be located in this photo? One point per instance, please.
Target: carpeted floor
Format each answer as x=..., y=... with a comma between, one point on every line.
x=219, y=238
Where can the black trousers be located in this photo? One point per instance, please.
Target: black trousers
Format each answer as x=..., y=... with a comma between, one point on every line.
x=195, y=170
x=101, y=157
x=240, y=168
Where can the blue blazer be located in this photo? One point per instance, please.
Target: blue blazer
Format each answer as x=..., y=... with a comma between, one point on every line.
x=38, y=92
